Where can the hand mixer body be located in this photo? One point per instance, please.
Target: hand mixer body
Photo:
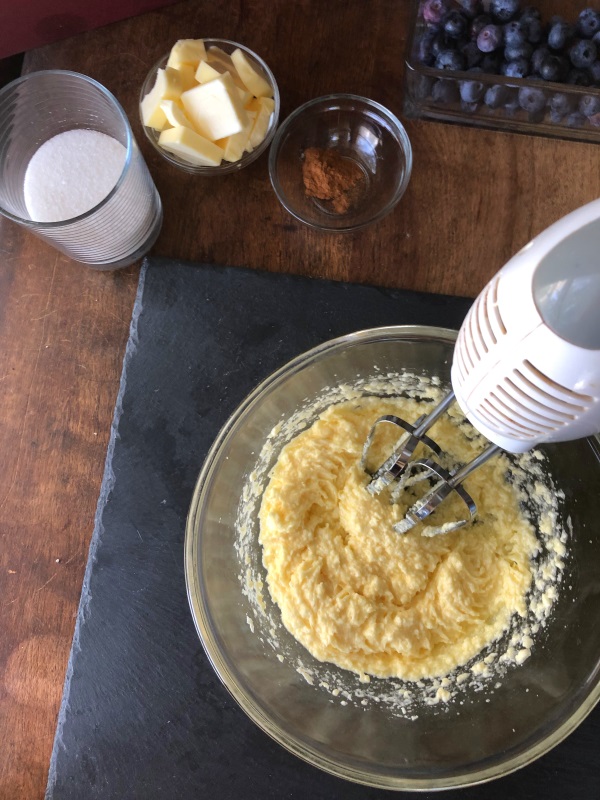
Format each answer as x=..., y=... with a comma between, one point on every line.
x=526, y=366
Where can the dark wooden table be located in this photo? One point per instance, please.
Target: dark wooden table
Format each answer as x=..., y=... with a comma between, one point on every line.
x=474, y=199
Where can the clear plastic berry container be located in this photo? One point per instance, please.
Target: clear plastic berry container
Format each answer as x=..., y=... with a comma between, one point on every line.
x=526, y=68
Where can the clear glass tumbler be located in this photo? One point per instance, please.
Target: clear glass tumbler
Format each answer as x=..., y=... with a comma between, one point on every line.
x=126, y=223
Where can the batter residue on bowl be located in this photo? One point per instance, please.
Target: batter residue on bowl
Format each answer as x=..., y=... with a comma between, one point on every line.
x=357, y=594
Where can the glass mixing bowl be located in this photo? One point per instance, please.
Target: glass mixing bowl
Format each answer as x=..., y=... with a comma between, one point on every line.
x=476, y=736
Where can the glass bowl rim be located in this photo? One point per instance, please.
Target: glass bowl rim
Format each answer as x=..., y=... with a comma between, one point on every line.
x=396, y=127
x=202, y=622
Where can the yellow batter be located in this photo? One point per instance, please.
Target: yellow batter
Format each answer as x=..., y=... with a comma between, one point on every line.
x=356, y=593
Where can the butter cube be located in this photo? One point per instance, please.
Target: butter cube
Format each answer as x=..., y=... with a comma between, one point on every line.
x=251, y=75
x=187, y=51
x=261, y=123
x=207, y=72
x=175, y=114
x=215, y=108
x=187, y=77
x=168, y=86
x=193, y=148
x=235, y=145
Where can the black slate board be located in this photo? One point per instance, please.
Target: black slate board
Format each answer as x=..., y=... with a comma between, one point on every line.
x=143, y=714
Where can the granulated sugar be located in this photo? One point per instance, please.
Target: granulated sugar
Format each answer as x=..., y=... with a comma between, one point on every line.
x=71, y=173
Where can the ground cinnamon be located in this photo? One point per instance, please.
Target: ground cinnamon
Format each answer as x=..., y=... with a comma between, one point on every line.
x=328, y=175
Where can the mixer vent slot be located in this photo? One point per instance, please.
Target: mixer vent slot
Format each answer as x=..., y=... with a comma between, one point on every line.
x=482, y=330
x=575, y=402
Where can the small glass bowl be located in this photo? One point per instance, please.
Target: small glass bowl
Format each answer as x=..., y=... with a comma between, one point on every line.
x=361, y=131
x=225, y=167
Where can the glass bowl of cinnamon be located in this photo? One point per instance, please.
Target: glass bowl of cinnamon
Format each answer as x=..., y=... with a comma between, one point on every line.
x=340, y=162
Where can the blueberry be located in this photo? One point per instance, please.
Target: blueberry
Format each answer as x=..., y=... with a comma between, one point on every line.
x=516, y=69
x=589, y=105
x=554, y=68
x=532, y=99
x=479, y=23
x=538, y=56
x=562, y=103
x=455, y=24
x=575, y=120
x=579, y=77
x=504, y=10
x=471, y=91
x=450, y=59
x=535, y=31
x=471, y=7
x=513, y=52
x=434, y=10
x=497, y=95
x=490, y=38
x=514, y=33
x=594, y=120
x=559, y=35
x=472, y=54
x=445, y=91
x=491, y=62
x=530, y=12
x=595, y=72
x=583, y=54
x=588, y=23
x=425, y=54
x=469, y=108
x=596, y=39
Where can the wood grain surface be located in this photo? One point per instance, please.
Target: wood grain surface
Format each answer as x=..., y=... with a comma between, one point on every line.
x=474, y=199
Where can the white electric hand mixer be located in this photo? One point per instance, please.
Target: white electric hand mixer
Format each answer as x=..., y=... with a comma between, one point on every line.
x=526, y=365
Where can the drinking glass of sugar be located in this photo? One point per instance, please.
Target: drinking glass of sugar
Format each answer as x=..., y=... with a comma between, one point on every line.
x=71, y=171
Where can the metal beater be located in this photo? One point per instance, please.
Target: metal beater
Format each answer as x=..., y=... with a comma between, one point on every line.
x=525, y=369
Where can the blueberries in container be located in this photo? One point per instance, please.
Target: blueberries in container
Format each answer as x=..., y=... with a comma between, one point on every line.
x=471, y=7
x=479, y=23
x=588, y=23
x=450, y=59
x=514, y=33
x=445, y=91
x=589, y=105
x=583, y=54
x=532, y=99
x=562, y=104
x=516, y=69
x=434, y=10
x=497, y=95
x=504, y=10
x=471, y=91
x=579, y=77
x=489, y=38
x=515, y=51
x=472, y=54
x=455, y=25
x=560, y=35
x=554, y=68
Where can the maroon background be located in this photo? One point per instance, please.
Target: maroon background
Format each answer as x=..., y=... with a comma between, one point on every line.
x=26, y=24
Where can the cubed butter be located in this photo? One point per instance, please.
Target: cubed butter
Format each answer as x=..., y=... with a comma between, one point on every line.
x=175, y=114
x=187, y=51
x=234, y=146
x=251, y=75
x=215, y=108
x=207, y=72
x=168, y=86
x=261, y=123
x=190, y=146
x=187, y=77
